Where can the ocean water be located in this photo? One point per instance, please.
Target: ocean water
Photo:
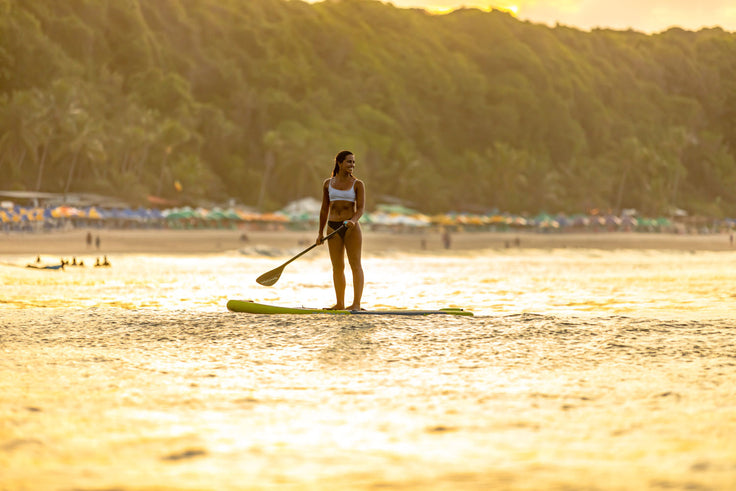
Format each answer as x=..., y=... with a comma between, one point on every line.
x=582, y=369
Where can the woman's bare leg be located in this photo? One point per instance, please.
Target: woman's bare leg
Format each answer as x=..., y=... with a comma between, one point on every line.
x=336, y=247
x=354, y=247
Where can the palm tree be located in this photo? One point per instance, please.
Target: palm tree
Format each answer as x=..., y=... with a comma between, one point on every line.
x=16, y=127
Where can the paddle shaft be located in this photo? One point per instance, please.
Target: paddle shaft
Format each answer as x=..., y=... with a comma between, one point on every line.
x=329, y=236
x=271, y=277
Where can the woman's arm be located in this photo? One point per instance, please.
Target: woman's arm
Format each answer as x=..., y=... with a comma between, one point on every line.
x=324, y=212
x=359, y=203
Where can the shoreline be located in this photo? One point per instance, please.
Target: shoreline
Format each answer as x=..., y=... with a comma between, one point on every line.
x=174, y=242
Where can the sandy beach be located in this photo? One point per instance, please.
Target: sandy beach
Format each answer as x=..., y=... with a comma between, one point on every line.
x=67, y=243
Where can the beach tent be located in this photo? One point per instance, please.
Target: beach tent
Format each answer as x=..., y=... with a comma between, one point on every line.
x=302, y=206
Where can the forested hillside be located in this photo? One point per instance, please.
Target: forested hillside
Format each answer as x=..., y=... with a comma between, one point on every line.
x=251, y=99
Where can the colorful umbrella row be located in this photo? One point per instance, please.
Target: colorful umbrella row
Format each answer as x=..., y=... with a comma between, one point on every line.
x=218, y=214
x=546, y=221
x=392, y=216
x=20, y=214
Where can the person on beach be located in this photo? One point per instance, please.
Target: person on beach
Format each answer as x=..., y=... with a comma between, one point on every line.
x=343, y=201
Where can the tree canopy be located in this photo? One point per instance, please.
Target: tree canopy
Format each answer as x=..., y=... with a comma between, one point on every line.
x=469, y=110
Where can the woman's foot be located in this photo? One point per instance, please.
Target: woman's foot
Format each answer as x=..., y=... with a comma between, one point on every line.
x=336, y=307
x=354, y=307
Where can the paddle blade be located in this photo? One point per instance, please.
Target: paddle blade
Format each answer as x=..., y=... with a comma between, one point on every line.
x=270, y=278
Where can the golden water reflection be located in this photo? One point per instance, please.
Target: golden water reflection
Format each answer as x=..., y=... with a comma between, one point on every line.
x=631, y=283
x=582, y=370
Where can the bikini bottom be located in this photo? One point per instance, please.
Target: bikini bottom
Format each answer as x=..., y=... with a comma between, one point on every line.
x=336, y=226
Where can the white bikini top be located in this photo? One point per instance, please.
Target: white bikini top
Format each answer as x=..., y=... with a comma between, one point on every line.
x=340, y=194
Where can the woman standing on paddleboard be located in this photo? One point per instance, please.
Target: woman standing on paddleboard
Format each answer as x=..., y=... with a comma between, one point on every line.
x=343, y=200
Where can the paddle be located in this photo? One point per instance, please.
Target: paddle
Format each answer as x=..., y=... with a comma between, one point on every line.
x=270, y=278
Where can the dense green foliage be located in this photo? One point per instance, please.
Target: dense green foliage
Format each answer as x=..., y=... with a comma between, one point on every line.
x=472, y=110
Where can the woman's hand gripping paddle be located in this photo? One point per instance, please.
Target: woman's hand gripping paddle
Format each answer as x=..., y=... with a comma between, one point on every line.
x=270, y=278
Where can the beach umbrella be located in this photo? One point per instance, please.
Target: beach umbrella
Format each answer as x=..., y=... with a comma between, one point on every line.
x=444, y=219
x=117, y=214
x=201, y=212
x=730, y=222
x=643, y=223
x=563, y=220
x=178, y=213
x=274, y=217
x=65, y=211
x=142, y=214
x=580, y=220
x=519, y=221
x=32, y=214
x=612, y=220
x=380, y=218
x=597, y=220
x=214, y=214
x=230, y=214
x=415, y=220
x=303, y=217
x=475, y=220
x=125, y=214
x=425, y=219
x=400, y=209
x=662, y=222
x=544, y=220
x=247, y=216
x=462, y=218
x=629, y=221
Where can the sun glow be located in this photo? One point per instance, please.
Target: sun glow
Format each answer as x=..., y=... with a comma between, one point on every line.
x=439, y=10
x=444, y=9
x=643, y=15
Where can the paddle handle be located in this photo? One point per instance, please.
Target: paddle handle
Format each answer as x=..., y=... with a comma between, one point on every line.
x=331, y=234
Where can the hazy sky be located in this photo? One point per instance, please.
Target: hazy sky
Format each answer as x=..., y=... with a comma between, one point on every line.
x=641, y=15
